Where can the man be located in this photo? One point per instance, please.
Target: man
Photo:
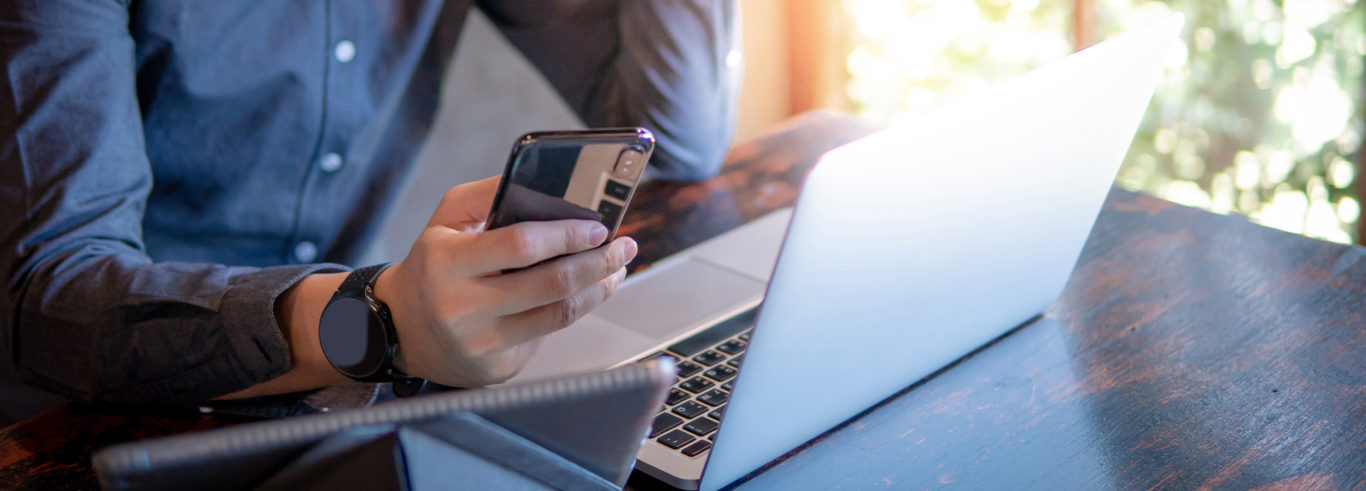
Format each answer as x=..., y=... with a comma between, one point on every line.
x=172, y=171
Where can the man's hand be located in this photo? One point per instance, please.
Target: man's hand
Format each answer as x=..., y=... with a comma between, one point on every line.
x=460, y=321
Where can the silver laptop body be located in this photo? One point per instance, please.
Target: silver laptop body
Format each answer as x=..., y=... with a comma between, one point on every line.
x=907, y=250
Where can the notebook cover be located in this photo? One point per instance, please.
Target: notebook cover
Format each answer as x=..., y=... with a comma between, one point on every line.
x=594, y=420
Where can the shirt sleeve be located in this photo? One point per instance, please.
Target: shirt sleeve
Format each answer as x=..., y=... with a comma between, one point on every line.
x=84, y=312
x=673, y=66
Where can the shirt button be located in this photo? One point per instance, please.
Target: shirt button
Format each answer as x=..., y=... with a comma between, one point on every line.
x=345, y=51
x=734, y=58
x=305, y=252
x=330, y=162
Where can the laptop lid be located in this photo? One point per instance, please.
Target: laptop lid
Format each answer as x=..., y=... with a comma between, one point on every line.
x=912, y=247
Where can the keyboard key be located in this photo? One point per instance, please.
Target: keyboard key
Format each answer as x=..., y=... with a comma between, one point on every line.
x=715, y=334
x=701, y=426
x=696, y=385
x=728, y=386
x=690, y=410
x=745, y=336
x=709, y=358
x=676, y=396
x=676, y=438
x=716, y=413
x=735, y=362
x=663, y=423
x=687, y=368
x=714, y=398
x=732, y=347
x=696, y=448
x=720, y=373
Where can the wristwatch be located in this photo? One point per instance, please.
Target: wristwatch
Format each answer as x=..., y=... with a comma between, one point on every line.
x=358, y=336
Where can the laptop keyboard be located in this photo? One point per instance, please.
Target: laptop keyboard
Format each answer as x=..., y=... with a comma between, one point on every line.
x=707, y=365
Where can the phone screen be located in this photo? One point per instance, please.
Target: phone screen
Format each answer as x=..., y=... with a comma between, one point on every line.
x=578, y=175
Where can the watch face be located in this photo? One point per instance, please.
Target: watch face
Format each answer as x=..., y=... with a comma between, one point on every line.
x=352, y=337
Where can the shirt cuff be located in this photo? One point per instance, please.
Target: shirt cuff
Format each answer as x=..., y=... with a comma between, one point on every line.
x=257, y=348
x=249, y=345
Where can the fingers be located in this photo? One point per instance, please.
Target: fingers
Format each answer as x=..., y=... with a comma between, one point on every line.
x=562, y=278
x=532, y=324
x=529, y=243
x=465, y=204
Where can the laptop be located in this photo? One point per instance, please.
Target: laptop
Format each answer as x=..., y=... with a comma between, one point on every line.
x=905, y=251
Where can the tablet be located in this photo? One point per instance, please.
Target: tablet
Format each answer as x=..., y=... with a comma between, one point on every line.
x=594, y=422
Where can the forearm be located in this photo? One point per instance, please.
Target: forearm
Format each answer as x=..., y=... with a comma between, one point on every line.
x=670, y=65
x=102, y=323
x=86, y=312
x=297, y=311
x=678, y=72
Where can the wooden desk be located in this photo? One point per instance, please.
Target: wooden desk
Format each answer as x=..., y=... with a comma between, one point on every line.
x=1189, y=349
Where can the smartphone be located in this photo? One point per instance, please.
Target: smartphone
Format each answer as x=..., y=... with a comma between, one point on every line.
x=558, y=175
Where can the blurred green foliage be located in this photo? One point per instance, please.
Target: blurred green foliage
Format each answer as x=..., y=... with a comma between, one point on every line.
x=1260, y=113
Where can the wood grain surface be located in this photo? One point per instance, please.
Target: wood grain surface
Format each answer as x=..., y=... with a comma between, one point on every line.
x=1189, y=350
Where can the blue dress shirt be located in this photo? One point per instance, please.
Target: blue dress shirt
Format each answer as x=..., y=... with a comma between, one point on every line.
x=169, y=167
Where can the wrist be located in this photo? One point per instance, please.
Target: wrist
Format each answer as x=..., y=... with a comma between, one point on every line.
x=304, y=304
x=297, y=311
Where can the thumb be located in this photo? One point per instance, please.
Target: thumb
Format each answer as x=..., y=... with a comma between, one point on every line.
x=466, y=204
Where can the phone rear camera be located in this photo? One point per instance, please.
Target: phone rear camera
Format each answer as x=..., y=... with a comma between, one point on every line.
x=629, y=164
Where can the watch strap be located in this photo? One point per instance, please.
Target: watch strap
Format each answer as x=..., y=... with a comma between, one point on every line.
x=403, y=384
x=407, y=386
x=361, y=277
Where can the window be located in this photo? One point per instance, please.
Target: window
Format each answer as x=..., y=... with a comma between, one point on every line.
x=1261, y=111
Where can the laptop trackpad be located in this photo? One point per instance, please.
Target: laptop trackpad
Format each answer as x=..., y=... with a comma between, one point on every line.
x=661, y=301
x=588, y=345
